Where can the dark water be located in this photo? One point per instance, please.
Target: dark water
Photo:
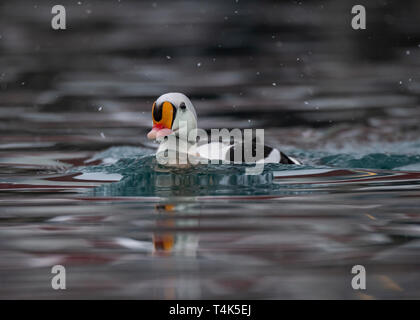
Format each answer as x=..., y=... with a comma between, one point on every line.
x=79, y=185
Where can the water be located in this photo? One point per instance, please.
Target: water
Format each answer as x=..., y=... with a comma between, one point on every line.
x=79, y=185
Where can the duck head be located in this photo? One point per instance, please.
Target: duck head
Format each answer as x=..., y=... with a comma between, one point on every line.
x=170, y=111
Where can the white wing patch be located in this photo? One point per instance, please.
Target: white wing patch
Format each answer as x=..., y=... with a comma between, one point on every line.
x=273, y=157
x=295, y=161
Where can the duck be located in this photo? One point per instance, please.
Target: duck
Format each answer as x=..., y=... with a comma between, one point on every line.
x=175, y=124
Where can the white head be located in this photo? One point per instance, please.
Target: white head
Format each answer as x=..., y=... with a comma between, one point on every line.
x=168, y=111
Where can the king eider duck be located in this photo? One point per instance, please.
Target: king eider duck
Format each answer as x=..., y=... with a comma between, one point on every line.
x=175, y=122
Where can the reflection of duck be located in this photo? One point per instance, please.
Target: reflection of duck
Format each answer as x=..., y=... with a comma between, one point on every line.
x=164, y=242
x=170, y=241
x=174, y=113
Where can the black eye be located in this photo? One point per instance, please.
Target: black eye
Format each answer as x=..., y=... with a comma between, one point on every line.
x=157, y=112
x=182, y=106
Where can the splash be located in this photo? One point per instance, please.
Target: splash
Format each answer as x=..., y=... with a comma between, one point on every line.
x=374, y=161
x=141, y=175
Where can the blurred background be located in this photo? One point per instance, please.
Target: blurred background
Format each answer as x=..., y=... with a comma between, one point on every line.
x=344, y=101
x=290, y=66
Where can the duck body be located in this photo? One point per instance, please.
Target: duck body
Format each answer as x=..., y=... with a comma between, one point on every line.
x=175, y=128
x=226, y=151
